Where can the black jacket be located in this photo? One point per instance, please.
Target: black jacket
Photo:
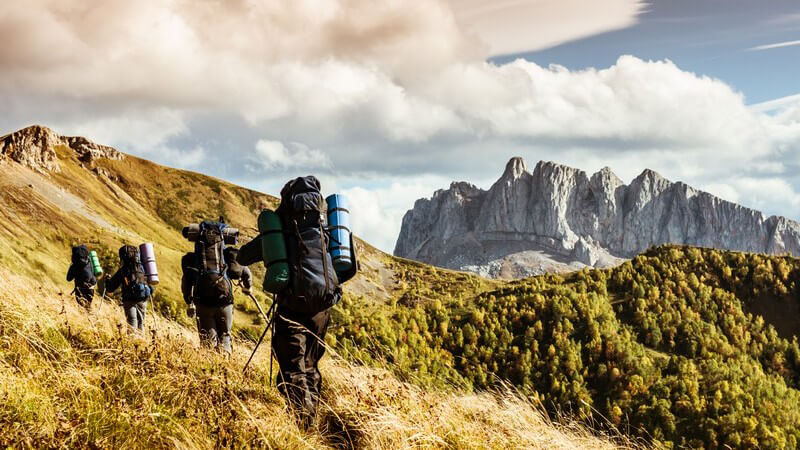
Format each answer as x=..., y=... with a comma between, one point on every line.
x=189, y=278
x=191, y=272
x=242, y=273
x=250, y=253
x=236, y=271
x=113, y=283
x=82, y=274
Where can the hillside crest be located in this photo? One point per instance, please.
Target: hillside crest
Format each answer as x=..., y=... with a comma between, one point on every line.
x=35, y=147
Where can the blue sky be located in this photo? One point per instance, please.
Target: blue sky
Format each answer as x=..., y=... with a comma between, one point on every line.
x=388, y=100
x=710, y=37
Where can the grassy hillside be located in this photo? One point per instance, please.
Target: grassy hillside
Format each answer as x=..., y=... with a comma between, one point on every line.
x=80, y=381
x=72, y=381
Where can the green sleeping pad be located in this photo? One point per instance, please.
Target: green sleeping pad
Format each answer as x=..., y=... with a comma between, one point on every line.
x=273, y=250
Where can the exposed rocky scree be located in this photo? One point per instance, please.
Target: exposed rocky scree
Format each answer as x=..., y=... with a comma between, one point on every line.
x=35, y=147
x=558, y=218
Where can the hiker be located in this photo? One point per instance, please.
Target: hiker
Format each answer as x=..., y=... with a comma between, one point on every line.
x=206, y=286
x=132, y=278
x=82, y=273
x=303, y=307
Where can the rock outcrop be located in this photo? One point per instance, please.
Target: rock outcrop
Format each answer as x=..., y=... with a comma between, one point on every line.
x=558, y=218
x=35, y=148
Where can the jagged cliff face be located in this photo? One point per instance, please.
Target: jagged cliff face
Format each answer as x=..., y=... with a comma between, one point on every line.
x=35, y=148
x=557, y=218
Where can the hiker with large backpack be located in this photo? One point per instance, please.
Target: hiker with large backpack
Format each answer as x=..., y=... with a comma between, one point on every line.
x=206, y=285
x=81, y=271
x=304, y=301
x=132, y=278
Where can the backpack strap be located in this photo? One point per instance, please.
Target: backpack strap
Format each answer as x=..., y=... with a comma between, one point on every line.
x=298, y=270
x=219, y=249
x=324, y=253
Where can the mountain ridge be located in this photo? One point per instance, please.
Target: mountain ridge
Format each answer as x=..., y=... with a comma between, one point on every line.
x=557, y=218
x=35, y=147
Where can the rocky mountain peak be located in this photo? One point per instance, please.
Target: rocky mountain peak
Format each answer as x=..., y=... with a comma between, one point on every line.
x=608, y=177
x=557, y=174
x=556, y=218
x=35, y=147
x=650, y=177
x=463, y=187
x=514, y=168
x=88, y=150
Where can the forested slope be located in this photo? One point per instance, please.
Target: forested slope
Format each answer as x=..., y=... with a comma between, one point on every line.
x=665, y=346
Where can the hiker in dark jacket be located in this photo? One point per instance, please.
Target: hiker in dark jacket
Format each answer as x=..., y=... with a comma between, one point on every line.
x=81, y=272
x=133, y=281
x=298, y=345
x=299, y=329
x=214, y=313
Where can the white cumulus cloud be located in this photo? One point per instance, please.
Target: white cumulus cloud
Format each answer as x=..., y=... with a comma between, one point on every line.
x=386, y=99
x=274, y=155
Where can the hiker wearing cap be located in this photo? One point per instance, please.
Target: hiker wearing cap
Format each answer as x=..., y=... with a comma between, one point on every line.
x=81, y=272
x=132, y=278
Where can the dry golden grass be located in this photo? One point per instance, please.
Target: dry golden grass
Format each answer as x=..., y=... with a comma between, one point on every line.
x=72, y=380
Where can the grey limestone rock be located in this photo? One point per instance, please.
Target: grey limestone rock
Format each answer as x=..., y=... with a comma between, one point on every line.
x=35, y=148
x=556, y=218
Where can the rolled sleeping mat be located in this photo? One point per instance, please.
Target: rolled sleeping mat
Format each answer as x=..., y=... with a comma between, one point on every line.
x=148, y=256
x=273, y=250
x=339, y=224
x=191, y=231
x=96, y=267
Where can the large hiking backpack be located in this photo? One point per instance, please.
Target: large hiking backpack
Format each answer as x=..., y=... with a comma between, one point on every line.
x=82, y=267
x=313, y=284
x=212, y=285
x=134, y=278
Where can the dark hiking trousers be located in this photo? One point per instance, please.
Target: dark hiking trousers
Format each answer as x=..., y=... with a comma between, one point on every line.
x=134, y=314
x=84, y=296
x=214, y=324
x=298, y=345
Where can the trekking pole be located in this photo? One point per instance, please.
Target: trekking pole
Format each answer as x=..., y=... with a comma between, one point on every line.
x=256, y=348
x=271, y=349
x=261, y=339
x=102, y=298
x=260, y=310
x=155, y=325
x=272, y=336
